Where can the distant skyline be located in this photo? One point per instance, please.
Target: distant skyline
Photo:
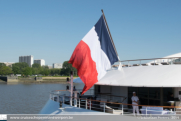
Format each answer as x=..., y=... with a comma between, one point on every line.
x=50, y=30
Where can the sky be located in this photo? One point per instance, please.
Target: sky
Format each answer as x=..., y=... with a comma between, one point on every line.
x=51, y=29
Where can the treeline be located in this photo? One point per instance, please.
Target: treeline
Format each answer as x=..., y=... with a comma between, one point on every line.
x=36, y=69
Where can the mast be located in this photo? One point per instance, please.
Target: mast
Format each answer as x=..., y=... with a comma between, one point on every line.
x=110, y=33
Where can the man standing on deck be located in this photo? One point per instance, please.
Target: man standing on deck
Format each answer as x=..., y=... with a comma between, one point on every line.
x=135, y=101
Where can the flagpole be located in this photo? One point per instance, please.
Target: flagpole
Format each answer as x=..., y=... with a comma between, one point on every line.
x=109, y=33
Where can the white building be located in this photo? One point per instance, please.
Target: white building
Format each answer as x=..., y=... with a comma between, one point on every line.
x=50, y=67
x=57, y=65
x=40, y=61
x=26, y=59
x=8, y=63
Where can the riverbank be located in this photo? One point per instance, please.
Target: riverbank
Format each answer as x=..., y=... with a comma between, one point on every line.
x=33, y=79
x=56, y=78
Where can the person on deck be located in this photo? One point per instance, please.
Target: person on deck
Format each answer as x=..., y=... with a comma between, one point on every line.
x=74, y=89
x=135, y=101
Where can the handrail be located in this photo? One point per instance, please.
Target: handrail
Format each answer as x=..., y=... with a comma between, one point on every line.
x=88, y=100
x=59, y=90
x=149, y=59
x=125, y=103
x=120, y=103
x=103, y=106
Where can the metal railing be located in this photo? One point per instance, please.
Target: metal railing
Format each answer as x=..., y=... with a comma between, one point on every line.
x=113, y=107
x=155, y=61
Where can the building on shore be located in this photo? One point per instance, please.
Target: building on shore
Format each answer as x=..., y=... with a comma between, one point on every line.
x=50, y=67
x=8, y=63
x=40, y=61
x=57, y=65
x=26, y=59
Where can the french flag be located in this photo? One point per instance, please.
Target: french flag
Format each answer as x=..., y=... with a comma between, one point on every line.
x=94, y=54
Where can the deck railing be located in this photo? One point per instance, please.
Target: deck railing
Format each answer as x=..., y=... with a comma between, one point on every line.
x=112, y=107
x=154, y=61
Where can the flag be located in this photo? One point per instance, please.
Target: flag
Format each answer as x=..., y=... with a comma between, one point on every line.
x=94, y=54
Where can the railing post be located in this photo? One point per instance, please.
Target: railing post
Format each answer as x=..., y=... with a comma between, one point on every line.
x=86, y=103
x=73, y=102
x=104, y=107
x=63, y=99
x=122, y=109
x=57, y=98
x=90, y=104
x=146, y=110
x=171, y=61
x=79, y=102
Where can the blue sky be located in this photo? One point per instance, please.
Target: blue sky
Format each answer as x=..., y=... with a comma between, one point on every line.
x=51, y=29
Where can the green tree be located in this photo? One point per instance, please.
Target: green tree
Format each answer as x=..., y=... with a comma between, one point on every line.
x=36, y=68
x=55, y=71
x=36, y=65
x=5, y=70
x=2, y=64
x=35, y=71
x=18, y=68
x=45, y=67
x=45, y=70
x=67, y=67
x=27, y=71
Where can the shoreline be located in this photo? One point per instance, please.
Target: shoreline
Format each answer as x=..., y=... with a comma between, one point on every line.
x=34, y=82
x=33, y=79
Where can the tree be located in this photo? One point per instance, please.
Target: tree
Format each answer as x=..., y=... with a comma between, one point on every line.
x=36, y=65
x=5, y=70
x=45, y=70
x=2, y=64
x=35, y=71
x=27, y=71
x=55, y=71
x=45, y=67
x=67, y=67
x=36, y=68
x=18, y=68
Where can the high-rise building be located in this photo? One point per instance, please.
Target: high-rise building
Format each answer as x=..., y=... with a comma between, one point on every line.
x=57, y=65
x=26, y=59
x=40, y=61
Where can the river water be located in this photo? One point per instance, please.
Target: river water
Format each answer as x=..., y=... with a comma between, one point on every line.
x=26, y=98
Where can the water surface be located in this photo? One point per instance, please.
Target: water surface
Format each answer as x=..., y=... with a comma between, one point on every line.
x=25, y=98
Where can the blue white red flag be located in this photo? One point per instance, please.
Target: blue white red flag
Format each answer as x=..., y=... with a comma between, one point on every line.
x=94, y=55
